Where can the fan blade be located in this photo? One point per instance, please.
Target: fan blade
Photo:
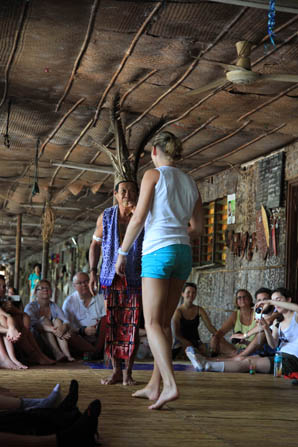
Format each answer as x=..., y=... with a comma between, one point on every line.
x=218, y=83
x=228, y=67
x=280, y=77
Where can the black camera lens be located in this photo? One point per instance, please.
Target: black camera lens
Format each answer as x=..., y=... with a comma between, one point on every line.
x=259, y=310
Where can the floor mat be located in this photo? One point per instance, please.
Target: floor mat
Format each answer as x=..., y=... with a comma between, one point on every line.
x=138, y=366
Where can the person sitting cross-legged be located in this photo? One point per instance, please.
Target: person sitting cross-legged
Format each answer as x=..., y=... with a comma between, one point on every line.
x=48, y=322
x=86, y=314
x=284, y=335
x=186, y=320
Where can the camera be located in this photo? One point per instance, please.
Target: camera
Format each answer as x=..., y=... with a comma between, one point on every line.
x=259, y=313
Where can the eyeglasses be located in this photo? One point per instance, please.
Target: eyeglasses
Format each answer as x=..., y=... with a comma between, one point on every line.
x=82, y=282
x=42, y=288
x=241, y=296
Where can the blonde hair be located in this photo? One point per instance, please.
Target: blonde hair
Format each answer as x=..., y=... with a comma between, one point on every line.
x=169, y=144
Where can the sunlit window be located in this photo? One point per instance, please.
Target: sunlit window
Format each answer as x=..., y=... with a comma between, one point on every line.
x=210, y=249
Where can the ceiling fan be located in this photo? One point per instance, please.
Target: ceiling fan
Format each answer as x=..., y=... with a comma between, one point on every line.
x=241, y=73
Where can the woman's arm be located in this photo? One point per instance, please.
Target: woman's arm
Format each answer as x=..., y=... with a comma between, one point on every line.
x=137, y=221
x=206, y=320
x=271, y=337
x=196, y=223
x=228, y=325
x=283, y=304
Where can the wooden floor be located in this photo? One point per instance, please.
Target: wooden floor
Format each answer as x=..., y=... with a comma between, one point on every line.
x=215, y=409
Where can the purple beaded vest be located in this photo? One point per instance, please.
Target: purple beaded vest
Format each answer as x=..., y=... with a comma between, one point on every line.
x=110, y=245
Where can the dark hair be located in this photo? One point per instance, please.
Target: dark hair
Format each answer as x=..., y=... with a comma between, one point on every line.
x=2, y=277
x=116, y=188
x=263, y=290
x=247, y=293
x=15, y=292
x=189, y=284
x=283, y=291
x=37, y=265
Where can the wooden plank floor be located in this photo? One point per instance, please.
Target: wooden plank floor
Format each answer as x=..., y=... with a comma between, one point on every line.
x=215, y=409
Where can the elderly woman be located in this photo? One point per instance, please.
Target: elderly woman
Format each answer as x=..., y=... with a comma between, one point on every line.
x=48, y=322
x=240, y=321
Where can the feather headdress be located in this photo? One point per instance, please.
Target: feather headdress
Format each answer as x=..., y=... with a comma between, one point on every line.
x=125, y=165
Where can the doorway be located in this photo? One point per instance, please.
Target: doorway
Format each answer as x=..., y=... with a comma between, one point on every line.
x=292, y=238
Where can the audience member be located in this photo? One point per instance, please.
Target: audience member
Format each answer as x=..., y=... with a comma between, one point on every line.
x=86, y=315
x=284, y=335
x=48, y=322
x=186, y=320
x=64, y=426
x=34, y=278
x=258, y=345
x=241, y=321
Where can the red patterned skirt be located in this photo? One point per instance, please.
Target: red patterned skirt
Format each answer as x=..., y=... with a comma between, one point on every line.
x=123, y=313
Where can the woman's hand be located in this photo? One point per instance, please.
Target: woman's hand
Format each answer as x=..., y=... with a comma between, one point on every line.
x=237, y=336
x=13, y=334
x=120, y=265
x=264, y=325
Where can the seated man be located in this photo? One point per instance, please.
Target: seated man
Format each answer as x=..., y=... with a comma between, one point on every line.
x=85, y=314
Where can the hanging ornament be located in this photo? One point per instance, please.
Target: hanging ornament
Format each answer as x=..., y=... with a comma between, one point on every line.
x=6, y=135
x=35, y=188
x=271, y=21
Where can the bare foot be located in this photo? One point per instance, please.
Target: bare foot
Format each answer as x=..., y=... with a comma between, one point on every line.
x=147, y=393
x=60, y=357
x=116, y=377
x=19, y=364
x=166, y=396
x=8, y=364
x=44, y=360
x=70, y=358
x=127, y=379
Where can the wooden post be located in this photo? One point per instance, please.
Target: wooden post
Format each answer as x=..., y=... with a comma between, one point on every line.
x=18, y=253
x=45, y=260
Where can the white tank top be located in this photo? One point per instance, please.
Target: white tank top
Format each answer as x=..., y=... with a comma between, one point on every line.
x=174, y=199
x=288, y=338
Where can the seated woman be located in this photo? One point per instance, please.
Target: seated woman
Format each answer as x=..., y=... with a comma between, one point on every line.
x=284, y=335
x=258, y=345
x=186, y=320
x=15, y=321
x=48, y=322
x=241, y=321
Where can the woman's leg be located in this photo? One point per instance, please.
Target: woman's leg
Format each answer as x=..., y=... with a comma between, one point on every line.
x=5, y=361
x=9, y=402
x=12, y=440
x=160, y=299
x=11, y=354
x=62, y=343
x=29, y=345
x=51, y=340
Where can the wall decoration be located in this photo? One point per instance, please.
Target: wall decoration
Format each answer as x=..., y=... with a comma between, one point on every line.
x=231, y=208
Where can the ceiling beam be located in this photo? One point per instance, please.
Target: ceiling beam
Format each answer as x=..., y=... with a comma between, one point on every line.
x=290, y=6
x=85, y=167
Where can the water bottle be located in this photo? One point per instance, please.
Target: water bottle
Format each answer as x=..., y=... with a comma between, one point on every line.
x=277, y=363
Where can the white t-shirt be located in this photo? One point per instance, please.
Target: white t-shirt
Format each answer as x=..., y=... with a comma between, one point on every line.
x=79, y=315
x=288, y=338
x=174, y=199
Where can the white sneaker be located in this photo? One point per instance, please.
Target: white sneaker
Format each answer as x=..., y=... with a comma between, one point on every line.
x=197, y=360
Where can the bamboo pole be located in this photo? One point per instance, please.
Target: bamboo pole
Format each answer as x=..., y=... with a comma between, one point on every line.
x=45, y=260
x=18, y=252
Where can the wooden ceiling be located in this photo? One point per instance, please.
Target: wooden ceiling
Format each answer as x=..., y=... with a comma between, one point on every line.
x=61, y=63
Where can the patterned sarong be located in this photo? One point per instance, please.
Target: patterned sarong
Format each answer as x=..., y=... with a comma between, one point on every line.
x=123, y=311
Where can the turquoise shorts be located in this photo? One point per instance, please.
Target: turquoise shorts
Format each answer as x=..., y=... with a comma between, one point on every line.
x=172, y=261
